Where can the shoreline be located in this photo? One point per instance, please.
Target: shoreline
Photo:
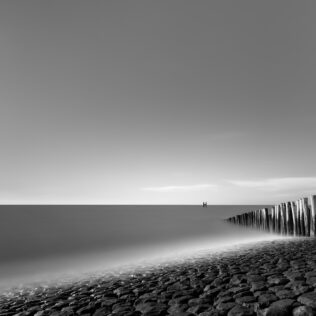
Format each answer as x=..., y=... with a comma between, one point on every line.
x=264, y=278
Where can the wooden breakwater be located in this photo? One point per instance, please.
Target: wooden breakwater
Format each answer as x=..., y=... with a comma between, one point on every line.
x=290, y=218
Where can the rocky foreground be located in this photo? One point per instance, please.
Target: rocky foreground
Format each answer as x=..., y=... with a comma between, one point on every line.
x=270, y=278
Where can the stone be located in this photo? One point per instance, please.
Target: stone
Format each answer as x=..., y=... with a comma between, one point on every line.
x=225, y=307
x=245, y=300
x=150, y=307
x=101, y=312
x=240, y=311
x=285, y=294
x=238, y=278
x=277, y=280
x=308, y=299
x=198, y=309
x=177, y=308
x=311, y=281
x=266, y=299
x=84, y=310
x=223, y=299
x=280, y=308
x=294, y=276
x=303, y=311
x=258, y=286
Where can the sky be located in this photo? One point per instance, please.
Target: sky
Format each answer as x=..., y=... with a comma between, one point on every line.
x=157, y=102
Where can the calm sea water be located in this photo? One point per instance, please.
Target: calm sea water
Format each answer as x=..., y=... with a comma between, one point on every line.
x=48, y=241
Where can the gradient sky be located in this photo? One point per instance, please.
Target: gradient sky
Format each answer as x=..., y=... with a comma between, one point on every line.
x=164, y=102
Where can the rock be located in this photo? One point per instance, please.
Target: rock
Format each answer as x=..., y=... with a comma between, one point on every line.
x=182, y=314
x=240, y=311
x=285, y=294
x=84, y=310
x=101, y=312
x=303, y=311
x=255, y=278
x=150, y=307
x=177, y=308
x=310, y=274
x=244, y=300
x=121, y=309
x=258, y=286
x=225, y=307
x=40, y=313
x=241, y=294
x=223, y=299
x=238, y=289
x=266, y=299
x=280, y=308
x=308, y=299
x=210, y=313
x=108, y=301
x=298, y=287
x=277, y=280
x=238, y=278
x=198, y=309
x=67, y=311
x=217, y=282
x=311, y=281
x=294, y=276
x=198, y=301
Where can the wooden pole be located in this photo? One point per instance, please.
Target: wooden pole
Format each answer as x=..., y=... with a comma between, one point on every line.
x=306, y=216
x=294, y=216
x=313, y=219
x=290, y=222
x=272, y=219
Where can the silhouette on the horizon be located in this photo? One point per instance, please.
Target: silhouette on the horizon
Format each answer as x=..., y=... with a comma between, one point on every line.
x=204, y=204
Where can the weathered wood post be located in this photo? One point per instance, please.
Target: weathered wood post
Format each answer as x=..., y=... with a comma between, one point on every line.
x=306, y=216
x=262, y=219
x=300, y=217
x=294, y=216
x=313, y=219
x=290, y=223
x=283, y=219
x=266, y=215
x=272, y=226
x=277, y=220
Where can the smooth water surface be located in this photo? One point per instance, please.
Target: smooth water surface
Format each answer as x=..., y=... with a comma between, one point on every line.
x=43, y=240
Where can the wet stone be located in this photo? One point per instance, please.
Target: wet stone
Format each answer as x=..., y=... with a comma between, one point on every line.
x=240, y=311
x=258, y=286
x=303, y=311
x=266, y=299
x=277, y=280
x=177, y=308
x=224, y=299
x=225, y=307
x=198, y=309
x=280, y=308
x=285, y=294
x=238, y=278
x=308, y=299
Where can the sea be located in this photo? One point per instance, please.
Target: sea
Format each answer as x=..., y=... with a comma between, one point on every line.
x=51, y=243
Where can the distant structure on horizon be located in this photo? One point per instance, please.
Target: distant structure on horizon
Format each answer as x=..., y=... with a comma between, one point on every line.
x=296, y=218
x=204, y=204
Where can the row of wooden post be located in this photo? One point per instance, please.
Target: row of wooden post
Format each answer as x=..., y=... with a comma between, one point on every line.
x=291, y=218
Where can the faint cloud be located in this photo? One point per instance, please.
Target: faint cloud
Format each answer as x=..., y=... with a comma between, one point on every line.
x=278, y=184
x=181, y=188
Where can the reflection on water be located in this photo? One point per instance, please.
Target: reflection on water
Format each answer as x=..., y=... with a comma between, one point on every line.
x=42, y=242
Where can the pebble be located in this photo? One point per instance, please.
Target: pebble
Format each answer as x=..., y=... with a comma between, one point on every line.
x=270, y=278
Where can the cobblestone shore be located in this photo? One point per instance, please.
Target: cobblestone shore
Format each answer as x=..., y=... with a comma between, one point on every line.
x=268, y=278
